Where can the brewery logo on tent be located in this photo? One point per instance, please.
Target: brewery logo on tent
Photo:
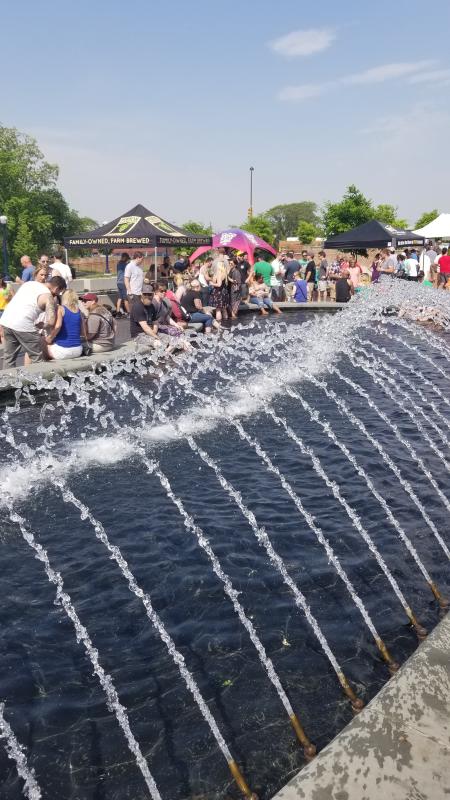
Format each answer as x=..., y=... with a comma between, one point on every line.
x=123, y=226
x=164, y=227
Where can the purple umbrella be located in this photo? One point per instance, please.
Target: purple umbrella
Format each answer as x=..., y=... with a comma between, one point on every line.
x=237, y=240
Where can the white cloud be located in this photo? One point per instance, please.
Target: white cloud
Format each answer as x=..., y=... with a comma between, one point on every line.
x=387, y=72
x=303, y=92
x=303, y=43
x=438, y=76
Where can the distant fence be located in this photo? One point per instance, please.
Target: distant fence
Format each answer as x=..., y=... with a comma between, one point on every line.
x=97, y=264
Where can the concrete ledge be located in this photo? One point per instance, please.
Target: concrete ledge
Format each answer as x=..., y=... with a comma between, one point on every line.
x=399, y=746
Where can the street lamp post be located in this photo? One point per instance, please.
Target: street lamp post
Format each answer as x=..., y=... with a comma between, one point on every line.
x=107, y=269
x=3, y=221
x=250, y=210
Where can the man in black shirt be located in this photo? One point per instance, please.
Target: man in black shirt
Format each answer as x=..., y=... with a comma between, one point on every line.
x=143, y=325
x=244, y=268
x=344, y=288
x=310, y=275
x=192, y=302
x=291, y=266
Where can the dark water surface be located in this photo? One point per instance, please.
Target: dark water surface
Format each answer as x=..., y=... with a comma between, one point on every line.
x=53, y=701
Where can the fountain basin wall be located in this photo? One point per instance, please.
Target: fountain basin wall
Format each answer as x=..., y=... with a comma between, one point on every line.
x=399, y=745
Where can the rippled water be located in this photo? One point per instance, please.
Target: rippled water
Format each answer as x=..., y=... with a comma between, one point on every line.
x=53, y=701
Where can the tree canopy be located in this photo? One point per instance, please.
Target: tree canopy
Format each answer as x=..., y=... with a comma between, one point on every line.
x=194, y=227
x=427, y=216
x=285, y=219
x=355, y=209
x=307, y=232
x=260, y=225
x=38, y=215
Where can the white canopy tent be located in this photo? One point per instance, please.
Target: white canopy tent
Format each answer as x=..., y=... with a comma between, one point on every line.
x=438, y=228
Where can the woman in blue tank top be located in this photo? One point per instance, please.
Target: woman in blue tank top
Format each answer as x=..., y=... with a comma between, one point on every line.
x=64, y=341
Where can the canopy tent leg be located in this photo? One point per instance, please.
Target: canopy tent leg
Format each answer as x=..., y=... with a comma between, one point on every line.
x=107, y=270
x=156, y=264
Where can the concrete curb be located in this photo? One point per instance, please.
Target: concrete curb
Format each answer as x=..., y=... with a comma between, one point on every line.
x=399, y=746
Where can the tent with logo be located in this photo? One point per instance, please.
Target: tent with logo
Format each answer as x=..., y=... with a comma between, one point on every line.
x=438, y=228
x=138, y=228
x=373, y=234
x=236, y=239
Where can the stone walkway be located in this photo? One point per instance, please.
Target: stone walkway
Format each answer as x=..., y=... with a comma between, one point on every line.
x=398, y=748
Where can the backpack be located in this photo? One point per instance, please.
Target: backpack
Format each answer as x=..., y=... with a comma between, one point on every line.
x=185, y=316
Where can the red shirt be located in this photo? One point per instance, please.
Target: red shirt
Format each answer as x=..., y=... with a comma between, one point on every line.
x=444, y=263
x=176, y=313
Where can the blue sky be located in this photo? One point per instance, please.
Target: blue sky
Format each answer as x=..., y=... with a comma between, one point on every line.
x=169, y=104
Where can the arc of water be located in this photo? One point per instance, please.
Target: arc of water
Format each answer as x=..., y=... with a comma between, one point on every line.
x=159, y=626
x=230, y=591
x=393, y=376
x=16, y=752
x=255, y=444
x=428, y=337
x=326, y=427
x=346, y=411
x=333, y=486
x=413, y=349
x=82, y=635
x=408, y=444
x=377, y=371
x=423, y=380
x=263, y=538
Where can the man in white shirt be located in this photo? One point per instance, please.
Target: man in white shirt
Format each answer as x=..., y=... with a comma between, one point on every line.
x=134, y=276
x=58, y=268
x=411, y=266
x=20, y=316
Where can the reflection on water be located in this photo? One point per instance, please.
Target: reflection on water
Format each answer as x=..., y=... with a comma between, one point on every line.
x=272, y=499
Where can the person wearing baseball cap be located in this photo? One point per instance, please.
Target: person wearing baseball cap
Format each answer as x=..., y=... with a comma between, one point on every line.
x=143, y=326
x=100, y=325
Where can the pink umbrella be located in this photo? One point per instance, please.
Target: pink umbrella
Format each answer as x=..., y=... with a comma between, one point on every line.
x=237, y=240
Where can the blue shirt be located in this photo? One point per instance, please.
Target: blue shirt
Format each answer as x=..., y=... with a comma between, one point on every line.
x=27, y=274
x=121, y=265
x=301, y=291
x=70, y=333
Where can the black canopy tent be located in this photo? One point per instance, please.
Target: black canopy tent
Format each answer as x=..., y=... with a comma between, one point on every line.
x=140, y=228
x=373, y=234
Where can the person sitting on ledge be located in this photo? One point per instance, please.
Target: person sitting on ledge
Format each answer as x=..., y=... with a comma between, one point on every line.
x=344, y=288
x=260, y=295
x=20, y=317
x=300, y=289
x=100, y=325
x=64, y=340
x=142, y=319
x=192, y=302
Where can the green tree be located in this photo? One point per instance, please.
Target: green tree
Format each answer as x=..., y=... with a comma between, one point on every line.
x=427, y=216
x=388, y=214
x=354, y=209
x=286, y=218
x=194, y=227
x=197, y=227
x=261, y=226
x=38, y=215
x=22, y=166
x=306, y=232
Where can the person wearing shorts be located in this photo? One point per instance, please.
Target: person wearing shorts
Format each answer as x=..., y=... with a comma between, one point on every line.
x=444, y=268
x=20, y=317
x=322, y=274
x=122, y=296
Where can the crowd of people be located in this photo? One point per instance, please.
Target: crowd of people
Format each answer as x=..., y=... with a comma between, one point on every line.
x=47, y=320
